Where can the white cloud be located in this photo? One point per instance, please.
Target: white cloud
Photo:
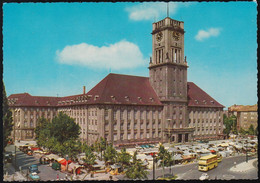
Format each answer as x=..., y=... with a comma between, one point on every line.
x=120, y=55
x=205, y=34
x=150, y=10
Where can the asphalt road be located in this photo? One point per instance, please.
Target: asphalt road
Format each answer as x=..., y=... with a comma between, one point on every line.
x=24, y=161
x=191, y=172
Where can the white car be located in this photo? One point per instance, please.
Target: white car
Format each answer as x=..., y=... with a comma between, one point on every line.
x=204, y=176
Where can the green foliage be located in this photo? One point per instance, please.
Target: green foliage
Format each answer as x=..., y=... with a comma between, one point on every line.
x=7, y=119
x=64, y=128
x=102, y=145
x=90, y=156
x=136, y=170
x=42, y=132
x=165, y=157
x=242, y=131
x=60, y=136
x=230, y=124
x=256, y=130
x=251, y=130
x=110, y=154
x=124, y=158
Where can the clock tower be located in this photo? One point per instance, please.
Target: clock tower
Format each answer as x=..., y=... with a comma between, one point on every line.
x=168, y=77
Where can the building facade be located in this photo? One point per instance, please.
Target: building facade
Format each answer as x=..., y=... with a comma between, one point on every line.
x=131, y=109
x=246, y=115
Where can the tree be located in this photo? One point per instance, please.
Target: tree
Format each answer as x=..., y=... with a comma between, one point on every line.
x=230, y=124
x=90, y=156
x=242, y=131
x=136, y=170
x=102, y=145
x=256, y=130
x=251, y=130
x=162, y=155
x=64, y=128
x=71, y=148
x=42, y=132
x=60, y=136
x=110, y=154
x=124, y=158
x=7, y=119
x=169, y=161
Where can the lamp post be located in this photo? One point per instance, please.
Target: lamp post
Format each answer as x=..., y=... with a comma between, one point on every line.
x=153, y=155
x=246, y=153
x=14, y=150
x=67, y=158
x=169, y=136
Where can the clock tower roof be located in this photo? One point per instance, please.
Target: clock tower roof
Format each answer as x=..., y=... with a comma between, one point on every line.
x=168, y=23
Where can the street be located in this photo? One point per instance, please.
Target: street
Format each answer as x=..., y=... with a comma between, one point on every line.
x=184, y=172
x=24, y=161
x=190, y=171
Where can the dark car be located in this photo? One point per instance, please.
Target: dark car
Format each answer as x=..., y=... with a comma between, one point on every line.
x=33, y=168
x=8, y=157
x=167, y=177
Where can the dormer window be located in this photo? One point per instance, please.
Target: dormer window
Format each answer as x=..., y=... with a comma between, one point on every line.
x=89, y=96
x=96, y=96
x=126, y=98
x=196, y=101
x=212, y=101
x=113, y=97
x=151, y=99
x=140, y=99
x=204, y=101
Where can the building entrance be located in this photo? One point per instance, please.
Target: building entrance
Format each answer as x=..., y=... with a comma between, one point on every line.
x=179, y=138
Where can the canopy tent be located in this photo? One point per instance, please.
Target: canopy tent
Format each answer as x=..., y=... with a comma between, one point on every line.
x=188, y=157
x=115, y=166
x=172, y=149
x=52, y=156
x=75, y=168
x=223, y=145
x=63, y=161
x=177, y=157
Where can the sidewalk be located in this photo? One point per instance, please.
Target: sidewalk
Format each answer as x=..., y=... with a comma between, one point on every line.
x=14, y=176
x=245, y=166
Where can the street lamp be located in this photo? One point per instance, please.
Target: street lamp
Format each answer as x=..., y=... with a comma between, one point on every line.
x=246, y=152
x=169, y=136
x=67, y=158
x=153, y=155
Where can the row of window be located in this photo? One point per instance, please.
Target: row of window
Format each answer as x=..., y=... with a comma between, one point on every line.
x=142, y=136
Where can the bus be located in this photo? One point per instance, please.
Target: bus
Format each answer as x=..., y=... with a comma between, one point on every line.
x=208, y=162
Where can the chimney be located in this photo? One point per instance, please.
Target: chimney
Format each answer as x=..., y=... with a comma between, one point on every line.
x=84, y=89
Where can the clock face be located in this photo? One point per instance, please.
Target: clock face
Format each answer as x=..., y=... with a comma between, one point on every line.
x=176, y=36
x=159, y=36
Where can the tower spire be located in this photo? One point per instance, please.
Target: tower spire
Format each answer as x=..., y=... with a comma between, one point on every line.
x=167, y=9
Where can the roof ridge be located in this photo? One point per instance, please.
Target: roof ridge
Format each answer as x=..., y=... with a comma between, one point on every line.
x=127, y=75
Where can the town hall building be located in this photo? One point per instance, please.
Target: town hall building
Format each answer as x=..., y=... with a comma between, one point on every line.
x=126, y=109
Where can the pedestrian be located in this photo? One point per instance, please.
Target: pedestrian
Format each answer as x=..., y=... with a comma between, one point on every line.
x=66, y=177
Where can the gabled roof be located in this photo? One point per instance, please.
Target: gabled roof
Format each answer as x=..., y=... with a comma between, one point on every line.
x=124, y=89
x=115, y=89
x=199, y=98
x=25, y=99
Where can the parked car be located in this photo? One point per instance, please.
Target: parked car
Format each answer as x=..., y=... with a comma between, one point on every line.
x=34, y=176
x=167, y=177
x=33, y=168
x=8, y=158
x=204, y=176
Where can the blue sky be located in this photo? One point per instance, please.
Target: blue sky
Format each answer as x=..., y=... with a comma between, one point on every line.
x=52, y=49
